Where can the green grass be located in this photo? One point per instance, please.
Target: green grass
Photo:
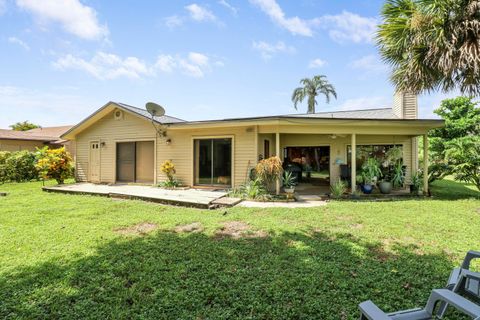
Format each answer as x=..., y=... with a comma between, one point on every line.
x=61, y=258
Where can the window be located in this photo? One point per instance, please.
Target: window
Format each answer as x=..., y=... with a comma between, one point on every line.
x=369, y=151
x=213, y=161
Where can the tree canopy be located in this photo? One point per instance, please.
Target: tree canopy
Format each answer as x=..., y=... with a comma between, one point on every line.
x=310, y=89
x=432, y=44
x=24, y=126
x=452, y=144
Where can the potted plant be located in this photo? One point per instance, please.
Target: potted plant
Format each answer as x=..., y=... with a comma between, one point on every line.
x=385, y=186
x=416, y=183
x=371, y=173
x=289, y=181
x=398, y=175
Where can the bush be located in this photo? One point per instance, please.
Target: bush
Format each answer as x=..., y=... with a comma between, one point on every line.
x=253, y=189
x=20, y=166
x=4, y=155
x=54, y=164
x=269, y=170
x=168, y=168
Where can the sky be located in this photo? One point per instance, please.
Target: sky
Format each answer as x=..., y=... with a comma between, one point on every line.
x=62, y=60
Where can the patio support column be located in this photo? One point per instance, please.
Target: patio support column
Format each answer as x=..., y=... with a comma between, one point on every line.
x=354, y=162
x=277, y=153
x=425, y=164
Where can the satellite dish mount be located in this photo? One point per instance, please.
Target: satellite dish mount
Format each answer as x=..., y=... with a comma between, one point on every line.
x=156, y=110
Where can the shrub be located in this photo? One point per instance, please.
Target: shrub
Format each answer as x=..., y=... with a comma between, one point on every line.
x=4, y=155
x=253, y=189
x=54, y=164
x=173, y=183
x=338, y=189
x=20, y=166
x=168, y=168
x=269, y=170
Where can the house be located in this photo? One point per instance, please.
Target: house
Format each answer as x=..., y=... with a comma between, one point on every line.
x=11, y=140
x=121, y=143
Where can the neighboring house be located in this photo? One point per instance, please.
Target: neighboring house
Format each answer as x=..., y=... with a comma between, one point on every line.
x=11, y=140
x=121, y=143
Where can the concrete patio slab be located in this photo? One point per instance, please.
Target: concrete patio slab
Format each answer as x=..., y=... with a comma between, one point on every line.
x=187, y=197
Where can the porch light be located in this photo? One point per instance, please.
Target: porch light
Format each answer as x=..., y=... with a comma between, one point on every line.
x=102, y=144
x=168, y=141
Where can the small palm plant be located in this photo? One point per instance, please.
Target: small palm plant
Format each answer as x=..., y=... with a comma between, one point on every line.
x=310, y=89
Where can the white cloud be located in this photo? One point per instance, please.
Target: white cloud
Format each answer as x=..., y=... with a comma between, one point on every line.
x=344, y=27
x=194, y=64
x=268, y=50
x=105, y=66
x=173, y=21
x=165, y=63
x=19, y=42
x=317, y=63
x=348, y=27
x=75, y=18
x=366, y=103
x=199, y=13
x=294, y=24
x=229, y=6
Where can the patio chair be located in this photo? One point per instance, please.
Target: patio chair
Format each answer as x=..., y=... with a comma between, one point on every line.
x=369, y=311
x=470, y=284
x=463, y=281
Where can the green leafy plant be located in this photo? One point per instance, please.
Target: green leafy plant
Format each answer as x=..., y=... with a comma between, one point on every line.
x=398, y=177
x=289, y=180
x=371, y=171
x=253, y=189
x=24, y=126
x=338, y=189
x=170, y=183
x=416, y=181
x=464, y=156
x=54, y=164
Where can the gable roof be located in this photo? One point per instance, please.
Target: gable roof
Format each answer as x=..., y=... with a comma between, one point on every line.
x=144, y=113
x=110, y=106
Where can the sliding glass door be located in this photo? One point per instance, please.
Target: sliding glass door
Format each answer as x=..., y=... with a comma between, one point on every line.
x=213, y=161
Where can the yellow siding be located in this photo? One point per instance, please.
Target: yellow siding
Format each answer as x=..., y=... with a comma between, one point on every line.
x=109, y=131
x=17, y=145
x=180, y=151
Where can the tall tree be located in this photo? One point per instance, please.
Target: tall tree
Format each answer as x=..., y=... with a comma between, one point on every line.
x=432, y=44
x=310, y=89
x=462, y=121
x=24, y=126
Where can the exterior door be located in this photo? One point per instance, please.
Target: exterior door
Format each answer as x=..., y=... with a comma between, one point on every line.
x=213, y=162
x=135, y=161
x=144, y=161
x=94, y=163
x=126, y=162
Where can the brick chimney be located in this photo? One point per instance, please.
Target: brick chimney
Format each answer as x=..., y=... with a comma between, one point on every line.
x=405, y=105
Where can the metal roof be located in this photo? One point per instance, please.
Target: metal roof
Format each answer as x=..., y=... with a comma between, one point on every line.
x=381, y=113
x=163, y=119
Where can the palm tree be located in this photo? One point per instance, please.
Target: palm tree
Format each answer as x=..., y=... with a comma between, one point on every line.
x=311, y=88
x=432, y=44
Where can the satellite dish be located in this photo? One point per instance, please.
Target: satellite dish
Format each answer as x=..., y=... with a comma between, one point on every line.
x=154, y=109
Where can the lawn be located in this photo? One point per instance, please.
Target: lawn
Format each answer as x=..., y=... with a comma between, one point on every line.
x=73, y=256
